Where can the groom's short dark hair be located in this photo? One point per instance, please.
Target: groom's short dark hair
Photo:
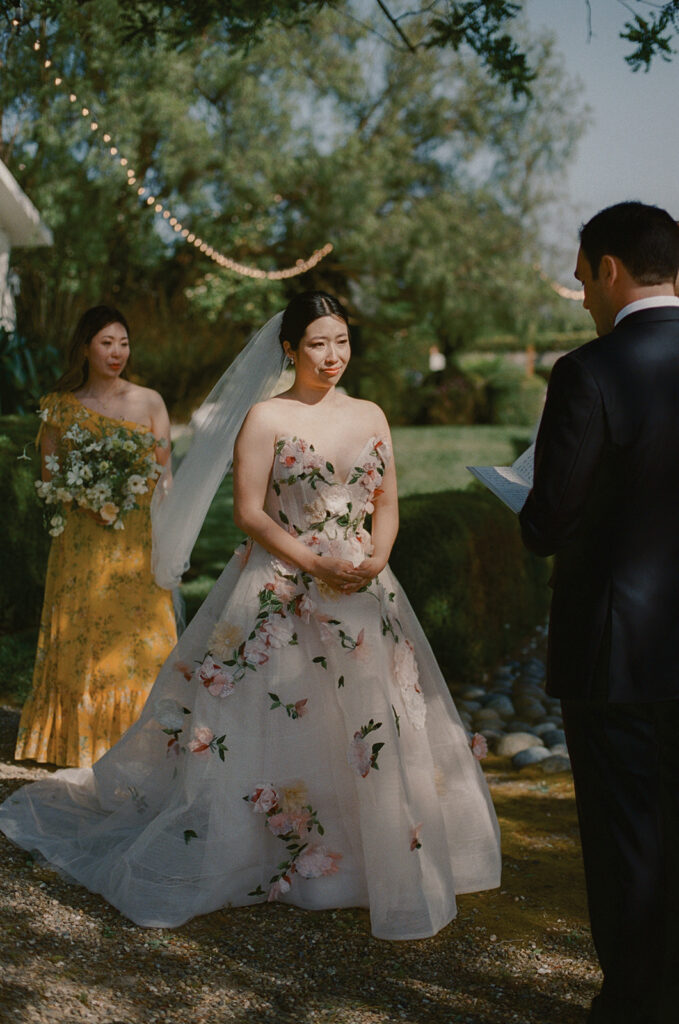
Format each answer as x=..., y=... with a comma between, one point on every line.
x=645, y=238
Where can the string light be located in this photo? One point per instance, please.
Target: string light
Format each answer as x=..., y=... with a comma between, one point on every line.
x=573, y=294
x=300, y=266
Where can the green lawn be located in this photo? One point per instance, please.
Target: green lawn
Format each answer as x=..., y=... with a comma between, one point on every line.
x=432, y=459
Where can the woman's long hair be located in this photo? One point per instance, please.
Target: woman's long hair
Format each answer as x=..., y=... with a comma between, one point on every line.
x=91, y=322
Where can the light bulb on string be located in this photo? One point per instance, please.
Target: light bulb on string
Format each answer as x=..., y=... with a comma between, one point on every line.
x=150, y=201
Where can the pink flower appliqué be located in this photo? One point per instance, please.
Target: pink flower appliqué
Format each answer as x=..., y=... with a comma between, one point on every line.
x=217, y=679
x=282, y=824
x=408, y=678
x=359, y=755
x=316, y=861
x=359, y=650
x=282, y=885
x=291, y=456
x=186, y=670
x=243, y=552
x=301, y=707
x=276, y=631
x=479, y=745
x=202, y=738
x=312, y=460
x=282, y=588
x=264, y=798
x=255, y=652
x=305, y=608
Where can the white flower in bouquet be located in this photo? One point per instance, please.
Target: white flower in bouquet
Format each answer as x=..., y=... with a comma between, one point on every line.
x=57, y=524
x=74, y=477
x=52, y=463
x=129, y=446
x=137, y=485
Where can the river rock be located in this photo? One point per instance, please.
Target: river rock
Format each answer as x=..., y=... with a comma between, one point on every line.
x=468, y=706
x=502, y=704
x=555, y=763
x=560, y=748
x=530, y=755
x=512, y=743
x=486, y=716
x=542, y=727
x=472, y=693
x=554, y=736
x=491, y=736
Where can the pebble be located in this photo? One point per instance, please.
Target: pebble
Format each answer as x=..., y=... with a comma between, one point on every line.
x=512, y=743
x=531, y=755
x=502, y=704
x=554, y=736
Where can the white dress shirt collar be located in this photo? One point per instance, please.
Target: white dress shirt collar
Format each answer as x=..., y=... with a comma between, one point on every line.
x=652, y=302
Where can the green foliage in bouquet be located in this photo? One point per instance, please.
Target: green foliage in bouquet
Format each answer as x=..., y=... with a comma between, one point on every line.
x=476, y=591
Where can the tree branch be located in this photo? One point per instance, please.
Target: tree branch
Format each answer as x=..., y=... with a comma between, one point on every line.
x=387, y=13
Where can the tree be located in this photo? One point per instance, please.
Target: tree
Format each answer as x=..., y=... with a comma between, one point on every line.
x=480, y=25
x=428, y=181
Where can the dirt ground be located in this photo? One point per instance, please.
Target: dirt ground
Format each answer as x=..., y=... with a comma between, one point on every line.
x=517, y=955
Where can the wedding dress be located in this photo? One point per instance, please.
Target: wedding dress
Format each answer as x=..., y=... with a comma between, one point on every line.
x=298, y=745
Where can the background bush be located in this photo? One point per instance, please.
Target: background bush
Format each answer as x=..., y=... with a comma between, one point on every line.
x=475, y=589
x=24, y=542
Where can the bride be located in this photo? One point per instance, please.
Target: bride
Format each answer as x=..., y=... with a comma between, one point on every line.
x=300, y=743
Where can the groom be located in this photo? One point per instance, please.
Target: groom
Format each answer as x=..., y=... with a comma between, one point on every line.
x=605, y=502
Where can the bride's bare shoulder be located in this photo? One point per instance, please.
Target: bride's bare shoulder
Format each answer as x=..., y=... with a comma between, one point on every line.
x=264, y=416
x=369, y=414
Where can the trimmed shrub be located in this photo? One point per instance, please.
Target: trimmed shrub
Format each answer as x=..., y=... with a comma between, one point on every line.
x=475, y=589
x=24, y=542
x=516, y=399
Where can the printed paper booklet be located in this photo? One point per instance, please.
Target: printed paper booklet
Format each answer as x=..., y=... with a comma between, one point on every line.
x=512, y=483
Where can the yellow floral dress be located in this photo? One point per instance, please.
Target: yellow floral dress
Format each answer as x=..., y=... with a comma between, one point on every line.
x=106, y=627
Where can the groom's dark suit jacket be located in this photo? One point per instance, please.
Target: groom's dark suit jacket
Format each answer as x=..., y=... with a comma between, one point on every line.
x=605, y=501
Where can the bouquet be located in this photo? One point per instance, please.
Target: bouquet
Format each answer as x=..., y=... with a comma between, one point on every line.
x=102, y=472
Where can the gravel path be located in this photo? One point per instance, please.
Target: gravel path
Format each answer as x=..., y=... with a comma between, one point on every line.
x=518, y=954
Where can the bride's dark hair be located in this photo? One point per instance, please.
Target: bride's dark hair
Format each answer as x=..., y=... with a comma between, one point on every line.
x=303, y=309
x=91, y=322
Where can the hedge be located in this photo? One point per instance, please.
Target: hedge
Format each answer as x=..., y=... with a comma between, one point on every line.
x=24, y=541
x=475, y=589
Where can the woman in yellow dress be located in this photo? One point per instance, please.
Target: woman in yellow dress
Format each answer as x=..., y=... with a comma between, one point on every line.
x=106, y=627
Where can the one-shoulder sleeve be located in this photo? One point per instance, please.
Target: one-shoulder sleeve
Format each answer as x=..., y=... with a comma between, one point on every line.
x=51, y=414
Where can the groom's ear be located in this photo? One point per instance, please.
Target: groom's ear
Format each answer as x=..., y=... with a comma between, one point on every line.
x=609, y=270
